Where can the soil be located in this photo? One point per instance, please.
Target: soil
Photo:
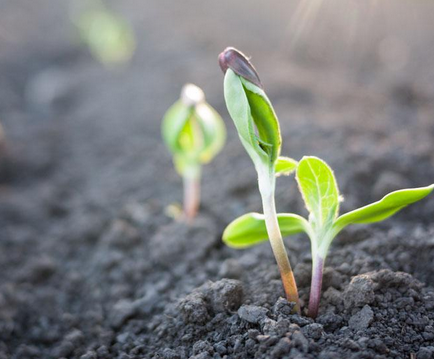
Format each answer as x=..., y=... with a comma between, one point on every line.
x=91, y=266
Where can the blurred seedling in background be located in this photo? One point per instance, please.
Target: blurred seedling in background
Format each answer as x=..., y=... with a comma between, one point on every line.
x=319, y=189
x=194, y=133
x=108, y=36
x=259, y=132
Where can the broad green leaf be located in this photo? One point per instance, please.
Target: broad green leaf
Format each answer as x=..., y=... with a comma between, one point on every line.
x=320, y=191
x=174, y=122
x=285, y=166
x=249, y=229
x=213, y=130
x=383, y=209
x=254, y=118
x=194, y=134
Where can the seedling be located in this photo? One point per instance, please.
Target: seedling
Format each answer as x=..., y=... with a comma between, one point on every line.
x=259, y=132
x=194, y=132
x=108, y=36
x=319, y=189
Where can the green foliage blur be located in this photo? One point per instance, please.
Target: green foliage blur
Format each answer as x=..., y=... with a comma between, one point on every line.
x=109, y=37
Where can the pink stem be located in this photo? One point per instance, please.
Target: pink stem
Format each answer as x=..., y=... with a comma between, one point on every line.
x=191, y=197
x=315, y=287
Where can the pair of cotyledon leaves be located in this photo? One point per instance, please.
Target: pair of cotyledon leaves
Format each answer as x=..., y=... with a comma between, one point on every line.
x=321, y=196
x=259, y=131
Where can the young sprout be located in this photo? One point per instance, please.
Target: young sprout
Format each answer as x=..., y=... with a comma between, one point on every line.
x=319, y=189
x=259, y=132
x=108, y=36
x=194, y=132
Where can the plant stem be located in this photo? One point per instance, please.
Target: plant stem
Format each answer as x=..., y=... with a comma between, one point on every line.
x=315, y=287
x=191, y=196
x=277, y=244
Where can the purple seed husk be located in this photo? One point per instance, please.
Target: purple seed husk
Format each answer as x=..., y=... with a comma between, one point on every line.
x=236, y=61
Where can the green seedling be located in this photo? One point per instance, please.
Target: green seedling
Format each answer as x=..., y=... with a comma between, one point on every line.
x=108, y=36
x=319, y=189
x=259, y=132
x=194, y=132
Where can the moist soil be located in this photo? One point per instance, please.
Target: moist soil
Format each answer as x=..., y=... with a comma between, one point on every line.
x=91, y=265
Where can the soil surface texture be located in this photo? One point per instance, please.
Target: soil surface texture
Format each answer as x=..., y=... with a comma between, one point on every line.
x=91, y=267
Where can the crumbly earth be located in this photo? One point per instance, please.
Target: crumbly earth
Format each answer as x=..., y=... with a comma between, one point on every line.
x=91, y=266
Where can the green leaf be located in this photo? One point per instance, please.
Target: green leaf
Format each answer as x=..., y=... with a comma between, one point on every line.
x=213, y=130
x=194, y=134
x=285, y=166
x=383, y=209
x=174, y=122
x=254, y=118
x=109, y=37
x=320, y=191
x=249, y=229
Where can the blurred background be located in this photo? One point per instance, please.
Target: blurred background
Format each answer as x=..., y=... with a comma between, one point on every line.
x=321, y=62
x=100, y=75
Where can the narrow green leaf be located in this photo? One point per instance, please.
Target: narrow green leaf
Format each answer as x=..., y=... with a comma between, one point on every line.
x=320, y=191
x=265, y=120
x=249, y=229
x=383, y=209
x=285, y=166
x=254, y=118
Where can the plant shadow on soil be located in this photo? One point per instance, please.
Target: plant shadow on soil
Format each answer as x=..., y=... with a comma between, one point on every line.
x=91, y=268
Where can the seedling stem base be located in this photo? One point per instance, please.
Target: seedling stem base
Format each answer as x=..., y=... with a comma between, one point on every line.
x=191, y=197
x=276, y=242
x=315, y=288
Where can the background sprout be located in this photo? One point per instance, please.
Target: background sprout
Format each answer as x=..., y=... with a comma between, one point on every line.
x=109, y=37
x=320, y=193
x=194, y=132
x=259, y=132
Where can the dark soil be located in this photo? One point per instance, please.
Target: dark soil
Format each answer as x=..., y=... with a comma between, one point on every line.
x=90, y=265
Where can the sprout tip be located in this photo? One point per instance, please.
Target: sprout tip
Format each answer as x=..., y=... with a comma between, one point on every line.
x=192, y=95
x=239, y=63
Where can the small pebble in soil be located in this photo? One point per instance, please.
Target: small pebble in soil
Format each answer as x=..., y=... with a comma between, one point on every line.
x=425, y=353
x=330, y=321
x=194, y=308
x=252, y=313
x=359, y=292
x=362, y=319
x=282, y=308
x=122, y=311
x=225, y=295
x=314, y=331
